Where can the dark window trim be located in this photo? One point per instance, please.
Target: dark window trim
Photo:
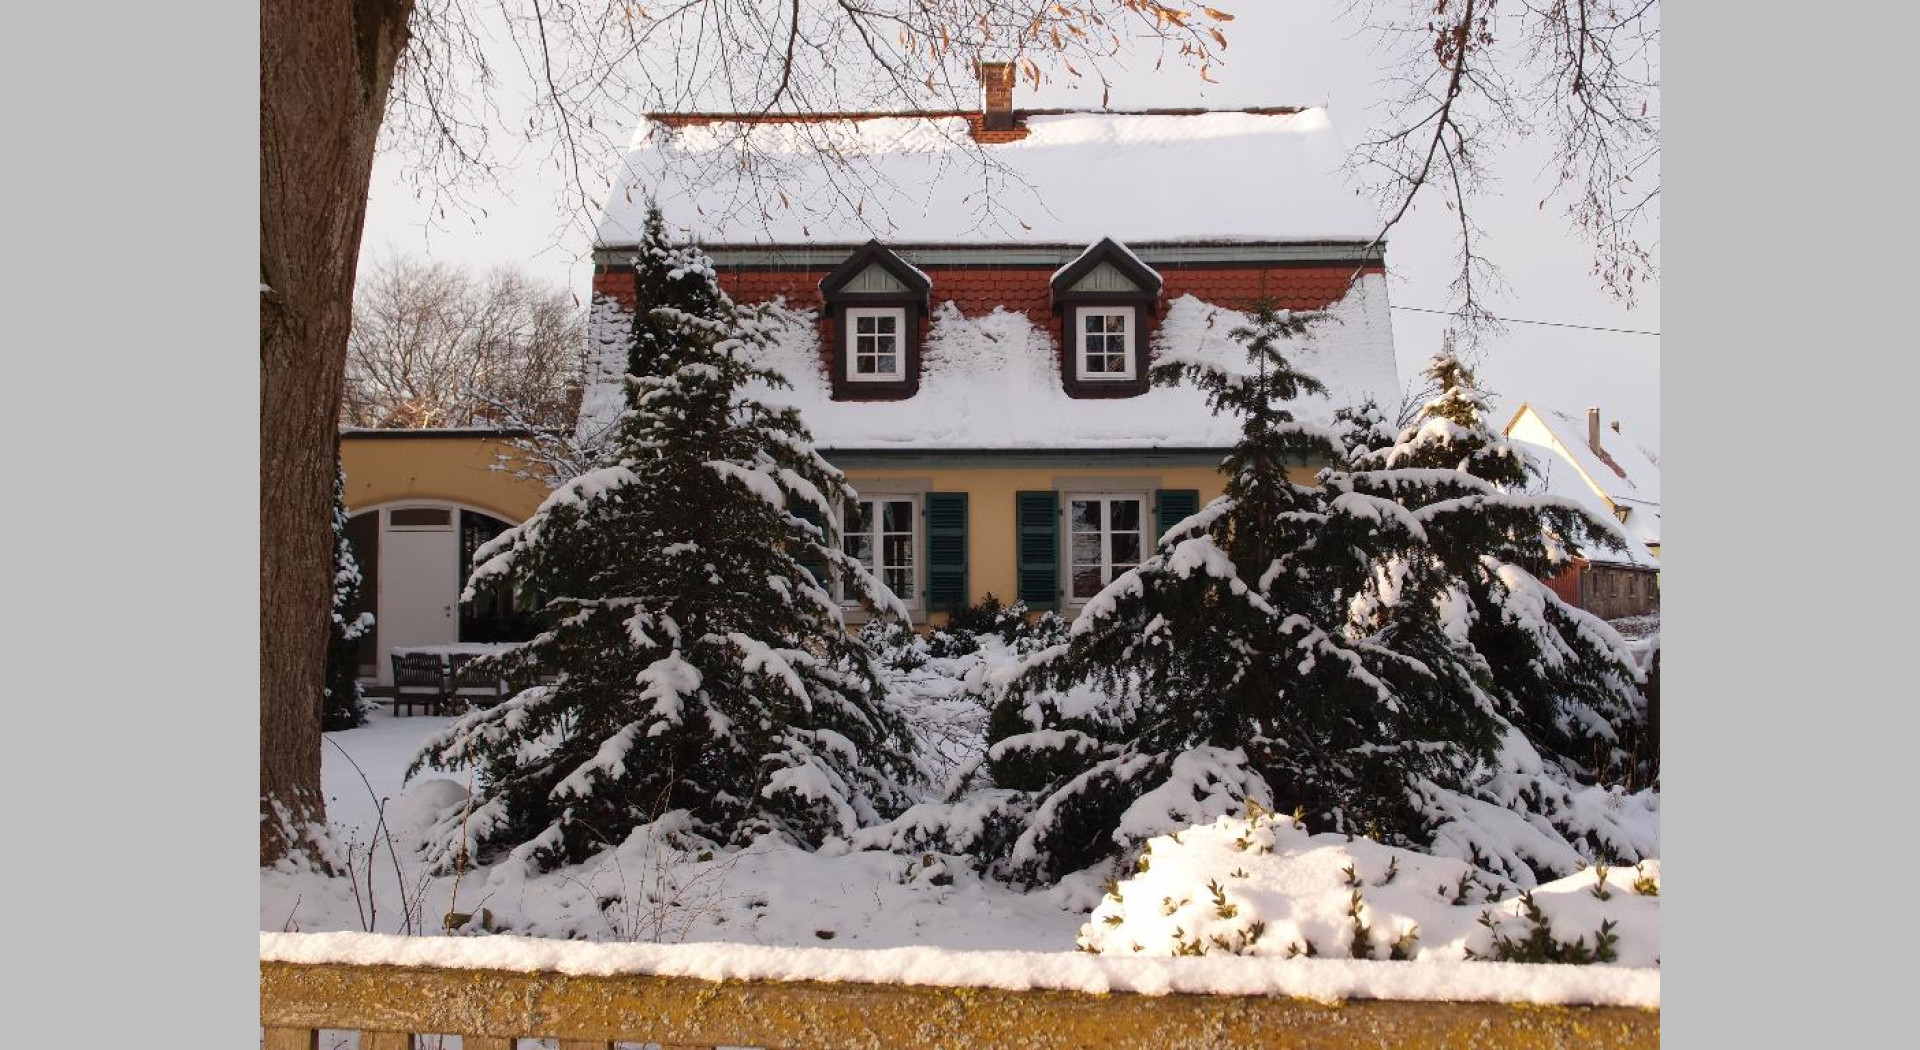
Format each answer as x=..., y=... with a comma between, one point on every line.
x=1146, y=320
x=913, y=302
x=1069, y=304
x=846, y=389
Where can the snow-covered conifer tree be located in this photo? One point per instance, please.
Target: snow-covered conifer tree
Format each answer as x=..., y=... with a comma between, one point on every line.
x=343, y=706
x=1468, y=602
x=1216, y=671
x=1560, y=674
x=1362, y=428
x=694, y=662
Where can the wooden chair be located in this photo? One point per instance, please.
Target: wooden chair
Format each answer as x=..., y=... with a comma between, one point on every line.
x=467, y=687
x=419, y=680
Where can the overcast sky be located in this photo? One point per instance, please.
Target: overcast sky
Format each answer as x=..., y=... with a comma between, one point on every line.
x=1281, y=52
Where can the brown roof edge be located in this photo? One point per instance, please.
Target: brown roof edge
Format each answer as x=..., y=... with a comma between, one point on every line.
x=690, y=119
x=416, y=433
x=991, y=246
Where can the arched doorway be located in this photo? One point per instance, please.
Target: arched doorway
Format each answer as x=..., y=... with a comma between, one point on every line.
x=415, y=558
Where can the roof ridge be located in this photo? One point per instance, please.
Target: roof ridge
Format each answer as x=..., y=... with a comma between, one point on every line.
x=706, y=116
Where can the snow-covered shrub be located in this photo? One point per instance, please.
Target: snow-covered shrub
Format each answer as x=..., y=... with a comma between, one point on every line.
x=1012, y=624
x=412, y=817
x=894, y=644
x=1264, y=886
x=1596, y=915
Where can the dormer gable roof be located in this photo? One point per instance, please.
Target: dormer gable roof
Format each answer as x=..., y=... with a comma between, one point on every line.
x=1106, y=268
x=876, y=271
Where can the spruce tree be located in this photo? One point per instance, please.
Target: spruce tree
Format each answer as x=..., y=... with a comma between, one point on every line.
x=695, y=662
x=1560, y=675
x=1559, y=685
x=1218, y=671
x=665, y=284
x=1361, y=428
x=343, y=706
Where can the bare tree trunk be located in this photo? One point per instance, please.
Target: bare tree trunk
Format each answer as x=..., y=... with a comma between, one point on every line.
x=325, y=68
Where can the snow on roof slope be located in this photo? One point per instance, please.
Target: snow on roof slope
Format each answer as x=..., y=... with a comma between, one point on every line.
x=993, y=382
x=1076, y=177
x=1559, y=478
x=1626, y=478
x=1635, y=479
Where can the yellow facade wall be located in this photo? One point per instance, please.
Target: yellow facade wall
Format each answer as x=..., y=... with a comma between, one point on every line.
x=459, y=468
x=456, y=468
x=991, y=555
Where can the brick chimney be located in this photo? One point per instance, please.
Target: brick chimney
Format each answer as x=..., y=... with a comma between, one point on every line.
x=1593, y=430
x=997, y=78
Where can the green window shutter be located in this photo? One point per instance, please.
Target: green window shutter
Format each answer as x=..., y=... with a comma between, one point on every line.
x=1175, y=506
x=1037, y=536
x=808, y=558
x=946, y=551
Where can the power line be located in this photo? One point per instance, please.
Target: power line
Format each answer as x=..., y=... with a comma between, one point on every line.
x=1550, y=324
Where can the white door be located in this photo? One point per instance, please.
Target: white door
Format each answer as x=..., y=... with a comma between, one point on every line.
x=419, y=580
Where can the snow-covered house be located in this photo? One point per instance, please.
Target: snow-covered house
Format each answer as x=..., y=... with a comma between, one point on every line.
x=973, y=300
x=1611, y=476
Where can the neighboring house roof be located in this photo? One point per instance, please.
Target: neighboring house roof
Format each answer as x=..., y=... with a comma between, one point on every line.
x=1063, y=178
x=1618, y=476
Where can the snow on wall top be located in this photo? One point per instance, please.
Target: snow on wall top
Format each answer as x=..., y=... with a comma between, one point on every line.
x=1557, y=442
x=993, y=382
x=1075, y=177
x=1322, y=979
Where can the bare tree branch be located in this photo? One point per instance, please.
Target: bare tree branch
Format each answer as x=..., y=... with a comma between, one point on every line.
x=1588, y=70
x=433, y=345
x=590, y=65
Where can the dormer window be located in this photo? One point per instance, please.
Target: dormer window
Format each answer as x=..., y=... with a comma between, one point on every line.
x=1106, y=299
x=1107, y=342
x=876, y=303
x=876, y=344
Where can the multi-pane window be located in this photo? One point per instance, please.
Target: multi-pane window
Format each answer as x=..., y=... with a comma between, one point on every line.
x=1106, y=343
x=875, y=348
x=1104, y=540
x=497, y=613
x=878, y=533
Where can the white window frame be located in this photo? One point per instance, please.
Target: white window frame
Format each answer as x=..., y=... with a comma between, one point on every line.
x=878, y=537
x=1106, y=537
x=851, y=319
x=1131, y=333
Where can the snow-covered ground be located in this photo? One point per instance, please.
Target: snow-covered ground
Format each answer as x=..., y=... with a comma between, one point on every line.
x=659, y=886
x=663, y=887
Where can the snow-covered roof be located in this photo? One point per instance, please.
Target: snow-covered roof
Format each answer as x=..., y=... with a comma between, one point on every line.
x=993, y=382
x=1236, y=176
x=1623, y=478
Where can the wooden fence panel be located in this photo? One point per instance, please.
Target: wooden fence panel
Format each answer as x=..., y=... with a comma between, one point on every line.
x=806, y=1015
x=291, y=1039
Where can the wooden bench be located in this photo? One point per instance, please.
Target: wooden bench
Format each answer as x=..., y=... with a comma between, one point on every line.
x=419, y=680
